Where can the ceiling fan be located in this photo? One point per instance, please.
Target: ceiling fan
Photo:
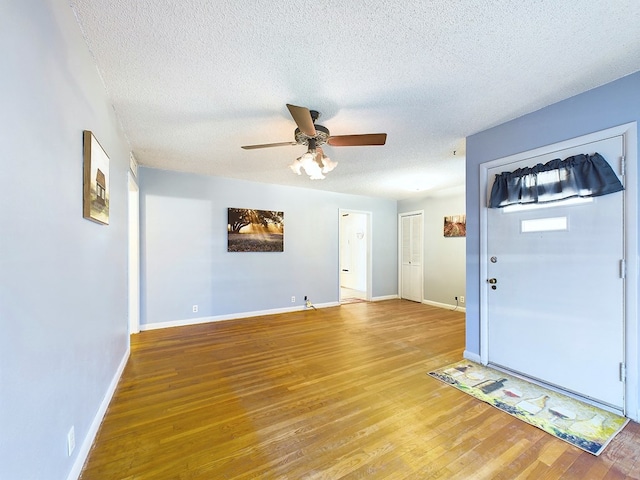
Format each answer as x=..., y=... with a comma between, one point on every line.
x=315, y=163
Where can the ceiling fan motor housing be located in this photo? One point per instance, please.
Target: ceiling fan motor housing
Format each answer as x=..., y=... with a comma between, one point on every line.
x=322, y=135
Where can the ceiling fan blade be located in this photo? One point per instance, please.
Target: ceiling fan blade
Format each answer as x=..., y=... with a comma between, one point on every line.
x=302, y=117
x=357, y=140
x=267, y=145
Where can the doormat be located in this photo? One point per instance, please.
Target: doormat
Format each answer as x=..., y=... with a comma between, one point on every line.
x=582, y=425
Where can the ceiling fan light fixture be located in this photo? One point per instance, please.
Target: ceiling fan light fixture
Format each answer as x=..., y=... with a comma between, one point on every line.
x=308, y=163
x=296, y=166
x=327, y=164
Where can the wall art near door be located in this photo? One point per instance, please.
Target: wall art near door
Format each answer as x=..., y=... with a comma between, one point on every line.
x=251, y=230
x=95, y=198
x=455, y=226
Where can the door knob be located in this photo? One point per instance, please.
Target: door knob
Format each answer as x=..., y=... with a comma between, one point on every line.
x=492, y=280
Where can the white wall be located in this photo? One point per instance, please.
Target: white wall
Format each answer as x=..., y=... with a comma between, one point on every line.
x=184, y=248
x=444, y=258
x=63, y=295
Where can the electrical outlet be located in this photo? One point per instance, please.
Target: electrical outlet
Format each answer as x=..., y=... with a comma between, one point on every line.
x=71, y=440
x=461, y=299
x=293, y=299
x=195, y=309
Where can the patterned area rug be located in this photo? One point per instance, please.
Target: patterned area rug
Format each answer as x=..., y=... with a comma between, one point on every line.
x=585, y=426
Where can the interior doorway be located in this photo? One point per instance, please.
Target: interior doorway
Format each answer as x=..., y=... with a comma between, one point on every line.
x=355, y=256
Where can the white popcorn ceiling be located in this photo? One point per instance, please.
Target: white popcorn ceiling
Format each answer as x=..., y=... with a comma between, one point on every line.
x=193, y=80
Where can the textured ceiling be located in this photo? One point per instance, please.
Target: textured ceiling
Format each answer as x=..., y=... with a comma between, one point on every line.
x=193, y=80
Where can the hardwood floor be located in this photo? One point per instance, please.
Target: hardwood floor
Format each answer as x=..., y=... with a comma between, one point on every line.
x=332, y=393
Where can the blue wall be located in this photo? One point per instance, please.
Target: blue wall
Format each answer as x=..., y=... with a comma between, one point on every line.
x=184, y=258
x=63, y=281
x=607, y=106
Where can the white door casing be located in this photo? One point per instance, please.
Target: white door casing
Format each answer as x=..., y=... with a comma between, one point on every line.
x=134, y=255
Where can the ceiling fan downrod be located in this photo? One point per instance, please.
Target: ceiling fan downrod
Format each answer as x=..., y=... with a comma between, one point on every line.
x=312, y=145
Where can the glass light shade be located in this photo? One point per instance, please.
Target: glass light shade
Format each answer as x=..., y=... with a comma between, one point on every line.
x=328, y=164
x=310, y=166
x=314, y=165
x=296, y=166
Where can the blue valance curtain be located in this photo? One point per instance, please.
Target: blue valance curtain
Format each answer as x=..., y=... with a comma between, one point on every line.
x=577, y=176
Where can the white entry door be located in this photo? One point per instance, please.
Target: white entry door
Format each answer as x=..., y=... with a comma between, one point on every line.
x=411, y=257
x=555, y=298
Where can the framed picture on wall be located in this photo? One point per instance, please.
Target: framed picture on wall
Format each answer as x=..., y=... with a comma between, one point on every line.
x=251, y=230
x=95, y=198
x=455, y=226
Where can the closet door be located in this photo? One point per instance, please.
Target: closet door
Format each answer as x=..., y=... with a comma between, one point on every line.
x=411, y=257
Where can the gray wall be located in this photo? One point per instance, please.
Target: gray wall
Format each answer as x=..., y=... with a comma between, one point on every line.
x=184, y=247
x=63, y=287
x=444, y=258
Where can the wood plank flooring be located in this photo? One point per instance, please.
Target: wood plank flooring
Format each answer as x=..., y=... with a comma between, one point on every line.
x=335, y=393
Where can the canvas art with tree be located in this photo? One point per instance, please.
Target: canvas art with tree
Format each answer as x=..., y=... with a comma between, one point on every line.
x=250, y=230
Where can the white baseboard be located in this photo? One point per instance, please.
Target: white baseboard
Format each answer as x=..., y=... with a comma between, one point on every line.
x=232, y=316
x=474, y=357
x=384, y=297
x=444, y=305
x=324, y=305
x=83, y=452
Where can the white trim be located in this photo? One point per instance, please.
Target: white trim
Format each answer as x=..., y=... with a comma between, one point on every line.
x=483, y=205
x=385, y=297
x=232, y=316
x=133, y=165
x=83, y=452
x=632, y=359
x=445, y=305
x=632, y=333
x=474, y=357
x=133, y=258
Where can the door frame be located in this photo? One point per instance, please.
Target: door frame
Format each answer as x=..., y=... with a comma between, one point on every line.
x=632, y=340
x=368, y=244
x=400, y=216
x=134, y=254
